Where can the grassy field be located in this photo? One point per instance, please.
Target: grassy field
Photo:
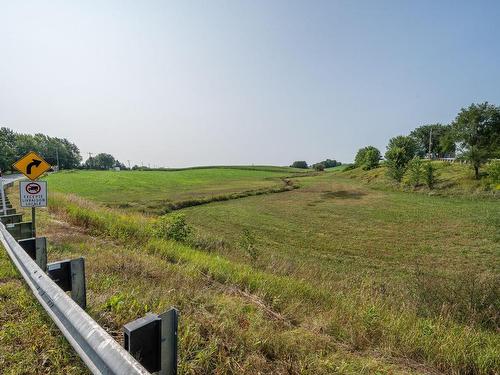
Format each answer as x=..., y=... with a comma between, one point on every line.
x=154, y=191
x=333, y=277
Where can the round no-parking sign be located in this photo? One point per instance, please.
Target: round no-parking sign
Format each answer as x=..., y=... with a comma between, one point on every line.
x=33, y=194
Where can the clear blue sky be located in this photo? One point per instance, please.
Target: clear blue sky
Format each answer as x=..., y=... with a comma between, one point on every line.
x=241, y=82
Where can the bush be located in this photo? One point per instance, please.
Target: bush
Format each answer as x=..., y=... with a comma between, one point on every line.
x=249, y=245
x=470, y=297
x=400, y=151
x=319, y=167
x=430, y=175
x=367, y=158
x=300, y=164
x=396, y=163
x=493, y=170
x=173, y=227
x=414, y=172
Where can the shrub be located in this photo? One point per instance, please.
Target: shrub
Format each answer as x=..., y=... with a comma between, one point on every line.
x=396, y=163
x=414, y=172
x=493, y=170
x=300, y=164
x=400, y=151
x=367, y=157
x=430, y=175
x=319, y=167
x=172, y=226
x=249, y=244
x=468, y=297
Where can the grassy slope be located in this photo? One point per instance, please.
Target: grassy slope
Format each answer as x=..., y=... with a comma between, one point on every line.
x=452, y=179
x=152, y=190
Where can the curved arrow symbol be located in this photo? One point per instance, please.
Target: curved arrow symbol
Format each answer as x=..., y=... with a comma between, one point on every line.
x=34, y=163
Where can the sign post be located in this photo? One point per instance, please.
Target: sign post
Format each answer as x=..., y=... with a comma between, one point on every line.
x=4, y=204
x=32, y=194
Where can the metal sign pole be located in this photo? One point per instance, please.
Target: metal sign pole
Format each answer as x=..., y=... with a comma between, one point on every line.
x=33, y=221
x=4, y=204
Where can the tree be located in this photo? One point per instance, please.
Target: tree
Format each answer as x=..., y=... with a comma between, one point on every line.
x=7, y=148
x=319, y=167
x=414, y=171
x=328, y=163
x=400, y=151
x=367, y=158
x=477, y=128
x=439, y=137
x=300, y=164
x=101, y=161
x=429, y=175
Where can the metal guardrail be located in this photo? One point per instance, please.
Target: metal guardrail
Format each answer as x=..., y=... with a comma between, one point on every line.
x=100, y=352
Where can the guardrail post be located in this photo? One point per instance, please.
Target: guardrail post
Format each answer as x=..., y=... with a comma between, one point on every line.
x=11, y=218
x=37, y=250
x=69, y=275
x=20, y=231
x=152, y=340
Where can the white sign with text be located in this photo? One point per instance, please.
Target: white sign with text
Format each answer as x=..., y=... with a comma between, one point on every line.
x=33, y=194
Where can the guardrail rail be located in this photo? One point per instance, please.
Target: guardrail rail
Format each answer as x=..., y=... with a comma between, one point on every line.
x=98, y=350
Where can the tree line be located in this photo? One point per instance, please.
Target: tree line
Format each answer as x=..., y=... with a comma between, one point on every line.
x=14, y=145
x=56, y=151
x=322, y=165
x=473, y=136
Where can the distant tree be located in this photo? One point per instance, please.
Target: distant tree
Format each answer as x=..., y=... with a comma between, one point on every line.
x=101, y=161
x=300, y=164
x=439, y=135
x=477, y=128
x=367, y=158
x=319, y=167
x=328, y=163
x=15, y=145
x=400, y=151
x=7, y=148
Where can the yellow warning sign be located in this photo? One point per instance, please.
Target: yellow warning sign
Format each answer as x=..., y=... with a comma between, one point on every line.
x=32, y=165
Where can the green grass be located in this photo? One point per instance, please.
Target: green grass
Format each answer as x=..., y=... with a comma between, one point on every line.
x=155, y=191
x=452, y=179
x=29, y=342
x=347, y=278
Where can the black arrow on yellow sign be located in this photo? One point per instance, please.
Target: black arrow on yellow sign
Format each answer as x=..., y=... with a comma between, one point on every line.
x=34, y=163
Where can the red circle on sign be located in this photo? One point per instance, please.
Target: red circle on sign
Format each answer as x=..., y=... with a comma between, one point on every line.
x=33, y=188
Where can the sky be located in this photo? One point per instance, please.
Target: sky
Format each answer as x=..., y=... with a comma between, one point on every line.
x=189, y=83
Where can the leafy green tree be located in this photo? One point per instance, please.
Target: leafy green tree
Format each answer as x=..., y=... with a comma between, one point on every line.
x=442, y=142
x=430, y=175
x=414, y=171
x=101, y=161
x=319, y=167
x=7, y=148
x=477, y=128
x=400, y=151
x=300, y=164
x=328, y=163
x=367, y=158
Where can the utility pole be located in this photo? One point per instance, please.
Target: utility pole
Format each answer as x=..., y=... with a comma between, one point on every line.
x=430, y=144
x=128, y=161
x=90, y=159
x=57, y=158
